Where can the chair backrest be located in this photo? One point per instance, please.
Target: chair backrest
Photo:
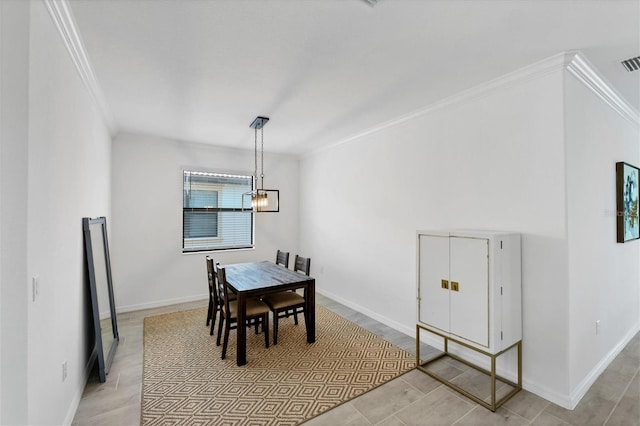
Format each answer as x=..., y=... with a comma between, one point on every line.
x=303, y=264
x=282, y=258
x=222, y=287
x=213, y=291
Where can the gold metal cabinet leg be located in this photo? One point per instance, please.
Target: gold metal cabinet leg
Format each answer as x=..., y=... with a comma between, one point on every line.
x=495, y=404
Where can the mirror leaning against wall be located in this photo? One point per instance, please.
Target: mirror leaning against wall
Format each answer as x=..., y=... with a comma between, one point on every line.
x=102, y=301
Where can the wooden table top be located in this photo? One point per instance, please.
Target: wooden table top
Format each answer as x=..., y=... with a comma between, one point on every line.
x=245, y=277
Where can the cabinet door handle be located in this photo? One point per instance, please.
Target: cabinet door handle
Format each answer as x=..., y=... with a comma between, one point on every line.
x=454, y=286
x=445, y=284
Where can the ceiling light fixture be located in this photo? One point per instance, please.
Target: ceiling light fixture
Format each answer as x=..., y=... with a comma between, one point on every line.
x=262, y=200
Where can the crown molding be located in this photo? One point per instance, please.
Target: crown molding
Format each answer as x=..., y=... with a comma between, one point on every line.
x=62, y=17
x=522, y=75
x=588, y=75
x=573, y=61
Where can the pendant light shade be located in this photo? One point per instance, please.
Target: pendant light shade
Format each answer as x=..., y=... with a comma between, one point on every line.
x=262, y=200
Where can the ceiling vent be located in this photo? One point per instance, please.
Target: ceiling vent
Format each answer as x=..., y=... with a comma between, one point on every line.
x=632, y=64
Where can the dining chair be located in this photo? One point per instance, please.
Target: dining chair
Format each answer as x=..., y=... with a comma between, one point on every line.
x=213, y=296
x=287, y=303
x=282, y=258
x=215, y=301
x=255, y=311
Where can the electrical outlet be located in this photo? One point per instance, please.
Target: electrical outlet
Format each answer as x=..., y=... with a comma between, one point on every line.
x=597, y=327
x=64, y=371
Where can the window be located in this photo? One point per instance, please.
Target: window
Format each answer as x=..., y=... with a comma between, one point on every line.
x=212, y=214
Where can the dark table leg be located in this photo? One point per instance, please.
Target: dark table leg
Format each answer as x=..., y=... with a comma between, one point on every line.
x=310, y=311
x=241, y=347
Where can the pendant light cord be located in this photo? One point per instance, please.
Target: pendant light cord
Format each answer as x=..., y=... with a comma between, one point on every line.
x=262, y=158
x=255, y=157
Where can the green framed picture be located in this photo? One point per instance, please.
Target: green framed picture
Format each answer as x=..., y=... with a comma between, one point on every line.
x=628, y=226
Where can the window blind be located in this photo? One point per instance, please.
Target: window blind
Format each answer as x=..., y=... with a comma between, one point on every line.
x=212, y=214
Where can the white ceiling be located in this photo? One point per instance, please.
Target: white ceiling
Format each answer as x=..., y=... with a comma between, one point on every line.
x=325, y=70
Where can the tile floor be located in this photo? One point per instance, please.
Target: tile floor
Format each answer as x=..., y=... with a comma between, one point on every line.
x=412, y=399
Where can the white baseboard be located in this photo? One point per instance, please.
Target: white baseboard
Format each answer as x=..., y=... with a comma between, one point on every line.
x=550, y=395
x=409, y=331
x=161, y=303
x=73, y=407
x=589, y=380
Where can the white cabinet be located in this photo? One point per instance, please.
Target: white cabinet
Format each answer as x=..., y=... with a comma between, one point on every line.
x=469, y=287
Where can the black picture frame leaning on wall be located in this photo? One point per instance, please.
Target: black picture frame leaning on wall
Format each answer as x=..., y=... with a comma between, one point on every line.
x=628, y=221
x=105, y=323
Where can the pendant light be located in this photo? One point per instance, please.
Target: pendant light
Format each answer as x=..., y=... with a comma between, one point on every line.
x=262, y=200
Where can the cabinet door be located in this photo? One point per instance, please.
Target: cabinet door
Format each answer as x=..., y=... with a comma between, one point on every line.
x=469, y=268
x=434, y=267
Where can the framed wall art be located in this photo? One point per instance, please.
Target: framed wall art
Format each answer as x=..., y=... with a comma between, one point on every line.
x=627, y=202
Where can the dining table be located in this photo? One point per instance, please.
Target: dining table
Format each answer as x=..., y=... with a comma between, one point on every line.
x=256, y=279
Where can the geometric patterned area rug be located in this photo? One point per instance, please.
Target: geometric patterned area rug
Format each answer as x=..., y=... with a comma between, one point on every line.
x=186, y=382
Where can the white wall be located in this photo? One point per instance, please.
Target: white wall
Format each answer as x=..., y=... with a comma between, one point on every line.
x=68, y=171
x=604, y=275
x=14, y=65
x=1, y=180
x=491, y=162
x=148, y=266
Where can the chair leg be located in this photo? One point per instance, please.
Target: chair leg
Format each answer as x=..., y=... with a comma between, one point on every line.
x=265, y=329
x=209, y=312
x=295, y=315
x=213, y=320
x=222, y=319
x=275, y=327
x=226, y=339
